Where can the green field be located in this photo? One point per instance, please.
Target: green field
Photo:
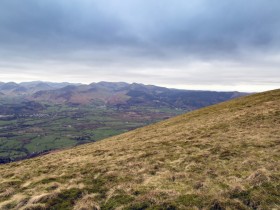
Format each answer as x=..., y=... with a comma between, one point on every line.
x=31, y=133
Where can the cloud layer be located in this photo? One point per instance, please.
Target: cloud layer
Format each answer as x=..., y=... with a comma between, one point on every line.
x=196, y=43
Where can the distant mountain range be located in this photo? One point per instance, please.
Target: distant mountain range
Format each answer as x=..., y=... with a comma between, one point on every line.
x=117, y=94
x=28, y=88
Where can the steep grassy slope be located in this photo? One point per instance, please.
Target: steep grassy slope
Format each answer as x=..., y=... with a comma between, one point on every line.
x=223, y=156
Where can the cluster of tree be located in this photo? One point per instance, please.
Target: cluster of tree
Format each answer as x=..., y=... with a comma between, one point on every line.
x=4, y=160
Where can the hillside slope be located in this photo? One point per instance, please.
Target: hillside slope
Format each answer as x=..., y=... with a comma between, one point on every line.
x=226, y=155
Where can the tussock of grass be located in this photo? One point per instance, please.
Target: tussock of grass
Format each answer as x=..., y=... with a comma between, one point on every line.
x=221, y=157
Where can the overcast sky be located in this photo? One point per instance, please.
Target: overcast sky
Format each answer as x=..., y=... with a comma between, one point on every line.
x=194, y=44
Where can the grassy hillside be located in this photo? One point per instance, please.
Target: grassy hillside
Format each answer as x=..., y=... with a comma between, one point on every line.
x=223, y=156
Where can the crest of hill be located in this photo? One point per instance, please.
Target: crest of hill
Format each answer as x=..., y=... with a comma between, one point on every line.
x=222, y=156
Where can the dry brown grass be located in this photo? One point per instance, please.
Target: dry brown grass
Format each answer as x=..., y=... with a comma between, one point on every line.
x=87, y=202
x=221, y=157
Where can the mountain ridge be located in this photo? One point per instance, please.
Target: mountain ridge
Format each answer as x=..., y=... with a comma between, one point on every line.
x=119, y=94
x=124, y=93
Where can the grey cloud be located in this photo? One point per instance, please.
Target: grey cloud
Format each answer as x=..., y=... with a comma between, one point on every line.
x=191, y=27
x=149, y=40
x=57, y=25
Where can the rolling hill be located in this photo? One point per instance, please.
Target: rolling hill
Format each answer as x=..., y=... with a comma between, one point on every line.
x=123, y=95
x=225, y=156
